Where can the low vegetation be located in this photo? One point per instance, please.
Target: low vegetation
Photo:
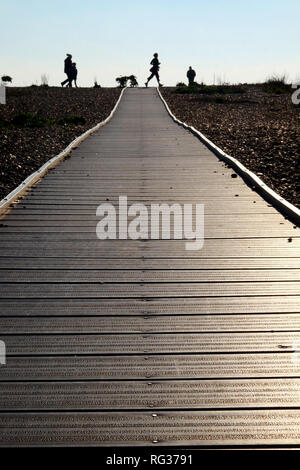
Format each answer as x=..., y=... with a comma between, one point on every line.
x=6, y=79
x=276, y=85
x=123, y=81
x=30, y=120
x=201, y=88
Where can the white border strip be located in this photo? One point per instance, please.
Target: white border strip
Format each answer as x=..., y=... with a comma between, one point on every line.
x=34, y=177
x=281, y=204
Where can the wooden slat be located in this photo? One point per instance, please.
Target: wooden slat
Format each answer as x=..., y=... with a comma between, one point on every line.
x=137, y=276
x=216, y=264
x=78, y=233
x=145, y=429
x=176, y=366
x=99, y=290
x=149, y=306
x=143, y=395
x=150, y=324
x=151, y=343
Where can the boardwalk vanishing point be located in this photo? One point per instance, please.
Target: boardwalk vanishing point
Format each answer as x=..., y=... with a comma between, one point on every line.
x=141, y=342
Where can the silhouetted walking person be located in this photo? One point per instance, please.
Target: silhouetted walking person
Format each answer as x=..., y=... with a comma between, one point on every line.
x=154, y=70
x=68, y=71
x=191, y=74
x=74, y=73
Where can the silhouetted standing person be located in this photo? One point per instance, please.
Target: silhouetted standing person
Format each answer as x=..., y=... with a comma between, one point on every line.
x=154, y=70
x=68, y=71
x=74, y=73
x=191, y=74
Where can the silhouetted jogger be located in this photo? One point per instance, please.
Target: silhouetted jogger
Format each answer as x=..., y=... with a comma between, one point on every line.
x=68, y=71
x=191, y=74
x=154, y=70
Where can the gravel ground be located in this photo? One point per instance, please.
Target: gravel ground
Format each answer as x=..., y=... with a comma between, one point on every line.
x=261, y=130
x=24, y=148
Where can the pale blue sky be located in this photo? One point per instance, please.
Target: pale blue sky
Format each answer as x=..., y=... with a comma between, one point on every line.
x=239, y=41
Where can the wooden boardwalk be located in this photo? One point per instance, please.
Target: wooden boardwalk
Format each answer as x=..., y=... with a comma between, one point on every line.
x=133, y=343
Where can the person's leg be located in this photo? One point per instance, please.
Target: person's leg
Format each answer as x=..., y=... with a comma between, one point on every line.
x=158, y=79
x=70, y=81
x=64, y=82
x=150, y=78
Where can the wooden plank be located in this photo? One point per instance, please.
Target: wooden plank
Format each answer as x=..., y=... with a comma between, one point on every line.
x=150, y=324
x=157, y=276
x=61, y=233
x=218, y=428
x=220, y=251
x=145, y=395
x=228, y=248
x=226, y=219
x=151, y=343
x=64, y=207
x=175, y=366
x=99, y=290
x=58, y=232
x=88, y=197
x=174, y=264
x=149, y=306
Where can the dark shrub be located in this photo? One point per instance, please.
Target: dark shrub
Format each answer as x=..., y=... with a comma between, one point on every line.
x=276, y=85
x=6, y=79
x=122, y=81
x=76, y=120
x=28, y=120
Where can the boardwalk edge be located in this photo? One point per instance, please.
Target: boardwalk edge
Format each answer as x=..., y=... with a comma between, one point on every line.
x=37, y=175
x=282, y=205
